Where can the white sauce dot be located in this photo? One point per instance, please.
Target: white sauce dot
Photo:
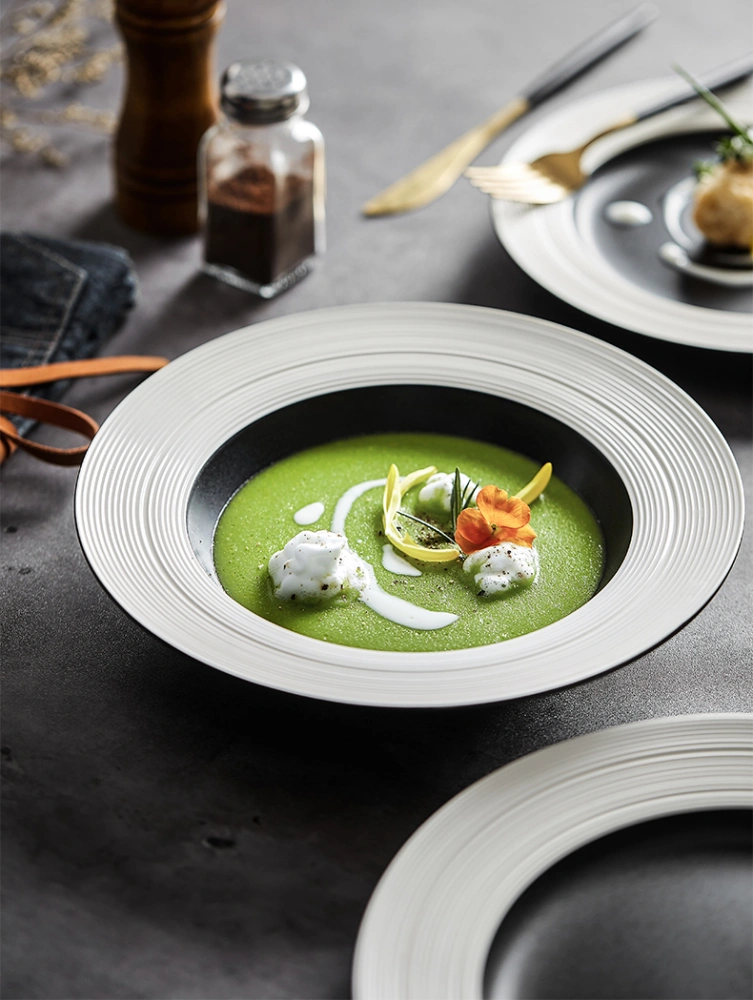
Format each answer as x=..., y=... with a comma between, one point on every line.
x=310, y=513
x=628, y=213
x=394, y=563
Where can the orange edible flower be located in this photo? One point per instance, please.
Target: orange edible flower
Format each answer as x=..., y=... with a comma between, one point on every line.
x=498, y=519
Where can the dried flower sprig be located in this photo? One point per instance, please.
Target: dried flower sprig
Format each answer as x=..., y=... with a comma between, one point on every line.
x=78, y=114
x=50, y=44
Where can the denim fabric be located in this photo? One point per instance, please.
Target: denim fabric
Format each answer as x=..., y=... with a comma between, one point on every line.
x=59, y=300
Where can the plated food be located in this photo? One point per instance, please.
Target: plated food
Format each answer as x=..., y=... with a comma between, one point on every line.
x=648, y=463
x=723, y=196
x=336, y=544
x=626, y=249
x=710, y=219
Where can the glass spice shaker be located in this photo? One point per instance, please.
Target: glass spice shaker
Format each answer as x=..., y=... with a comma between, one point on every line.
x=261, y=170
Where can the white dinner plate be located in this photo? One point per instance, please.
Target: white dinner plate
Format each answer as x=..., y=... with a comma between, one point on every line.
x=679, y=476
x=431, y=921
x=555, y=244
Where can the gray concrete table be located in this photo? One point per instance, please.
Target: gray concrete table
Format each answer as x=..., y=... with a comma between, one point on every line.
x=171, y=831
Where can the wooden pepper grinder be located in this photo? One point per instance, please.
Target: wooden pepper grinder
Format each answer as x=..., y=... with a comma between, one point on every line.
x=170, y=101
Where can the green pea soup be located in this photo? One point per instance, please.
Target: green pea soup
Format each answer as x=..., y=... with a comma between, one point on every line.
x=258, y=521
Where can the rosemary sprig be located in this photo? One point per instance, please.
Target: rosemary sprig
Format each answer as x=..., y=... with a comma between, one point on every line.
x=461, y=497
x=471, y=488
x=735, y=147
x=455, y=499
x=432, y=527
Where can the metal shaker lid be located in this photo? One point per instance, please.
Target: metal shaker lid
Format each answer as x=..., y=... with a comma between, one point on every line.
x=259, y=93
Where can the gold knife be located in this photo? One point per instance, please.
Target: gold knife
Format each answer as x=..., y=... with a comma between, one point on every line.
x=437, y=175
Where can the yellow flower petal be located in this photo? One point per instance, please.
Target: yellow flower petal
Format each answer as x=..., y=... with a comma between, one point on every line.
x=421, y=552
x=394, y=491
x=537, y=485
x=413, y=478
x=391, y=495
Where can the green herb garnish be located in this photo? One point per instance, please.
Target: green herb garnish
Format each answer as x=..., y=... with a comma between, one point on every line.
x=738, y=146
x=461, y=498
x=704, y=168
x=426, y=524
x=735, y=147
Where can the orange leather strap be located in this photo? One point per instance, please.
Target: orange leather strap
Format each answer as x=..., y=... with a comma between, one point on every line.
x=57, y=414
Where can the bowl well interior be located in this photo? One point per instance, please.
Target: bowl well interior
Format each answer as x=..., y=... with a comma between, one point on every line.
x=662, y=908
x=417, y=409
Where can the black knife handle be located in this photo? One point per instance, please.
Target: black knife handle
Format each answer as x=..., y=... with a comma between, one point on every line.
x=724, y=76
x=591, y=51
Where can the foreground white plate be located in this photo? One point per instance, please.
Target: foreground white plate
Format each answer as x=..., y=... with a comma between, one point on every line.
x=430, y=923
x=680, y=475
x=546, y=242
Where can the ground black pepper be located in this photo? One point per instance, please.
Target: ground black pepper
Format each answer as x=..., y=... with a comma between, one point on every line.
x=259, y=224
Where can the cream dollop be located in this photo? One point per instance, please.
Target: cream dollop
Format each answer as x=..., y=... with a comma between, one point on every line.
x=436, y=495
x=500, y=568
x=316, y=566
x=628, y=213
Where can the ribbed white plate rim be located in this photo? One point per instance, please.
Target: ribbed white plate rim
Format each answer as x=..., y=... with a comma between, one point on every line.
x=547, y=244
x=133, y=490
x=432, y=918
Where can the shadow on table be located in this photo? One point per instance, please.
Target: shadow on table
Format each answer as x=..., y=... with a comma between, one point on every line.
x=200, y=309
x=398, y=761
x=104, y=224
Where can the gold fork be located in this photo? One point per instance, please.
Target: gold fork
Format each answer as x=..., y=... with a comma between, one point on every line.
x=431, y=179
x=555, y=176
x=548, y=179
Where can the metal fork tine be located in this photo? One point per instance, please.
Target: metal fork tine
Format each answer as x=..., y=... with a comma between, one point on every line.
x=531, y=184
x=532, y=193
x=512, y=170
x=528, y=197
x=527, y=177
x=481, y=171
x=490, y=172
x=514, y=182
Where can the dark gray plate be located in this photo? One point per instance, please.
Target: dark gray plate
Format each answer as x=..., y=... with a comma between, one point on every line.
x=646, y=174
x=660, y=910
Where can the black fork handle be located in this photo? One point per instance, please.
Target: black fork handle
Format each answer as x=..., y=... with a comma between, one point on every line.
x=723, y=76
